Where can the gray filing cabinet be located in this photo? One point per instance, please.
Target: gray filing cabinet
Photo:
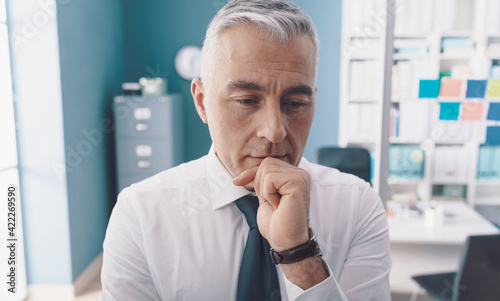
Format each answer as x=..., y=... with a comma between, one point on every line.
x=148, y=136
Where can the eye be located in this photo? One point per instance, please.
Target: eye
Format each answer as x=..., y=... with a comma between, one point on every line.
x=247, y=102
x=295, y=105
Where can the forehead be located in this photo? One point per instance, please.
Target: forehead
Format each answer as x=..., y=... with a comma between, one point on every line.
x=244, y=51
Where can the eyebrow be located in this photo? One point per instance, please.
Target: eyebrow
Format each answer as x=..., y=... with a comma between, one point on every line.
x=299, y=89
x=241, y=84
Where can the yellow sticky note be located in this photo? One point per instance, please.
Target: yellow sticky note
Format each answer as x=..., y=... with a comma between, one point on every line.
x=472, y=111
x=493, y=88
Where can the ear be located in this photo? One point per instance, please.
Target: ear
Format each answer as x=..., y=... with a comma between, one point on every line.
x=198, y=92
x=315, y=89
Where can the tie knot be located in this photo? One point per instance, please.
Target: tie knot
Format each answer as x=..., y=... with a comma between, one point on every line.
x=248, y=205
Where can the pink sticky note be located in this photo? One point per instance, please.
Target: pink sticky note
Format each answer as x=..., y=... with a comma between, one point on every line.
x=472, y=111
x=450, y=87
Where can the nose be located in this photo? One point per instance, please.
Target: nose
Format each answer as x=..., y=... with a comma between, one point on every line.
x=271, y=124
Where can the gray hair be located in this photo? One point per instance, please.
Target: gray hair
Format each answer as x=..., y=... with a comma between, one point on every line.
x=281, y=19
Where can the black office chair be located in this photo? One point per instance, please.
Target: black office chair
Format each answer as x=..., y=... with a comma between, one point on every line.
x=478, y=278
x=353, y=160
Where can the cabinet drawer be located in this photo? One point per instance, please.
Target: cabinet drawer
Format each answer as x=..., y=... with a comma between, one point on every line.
x=143, y=116
x=145, y=156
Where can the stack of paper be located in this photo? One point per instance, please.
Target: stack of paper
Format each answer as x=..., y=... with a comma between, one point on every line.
x=411, y=46
x=450, y=164
x=457, y=46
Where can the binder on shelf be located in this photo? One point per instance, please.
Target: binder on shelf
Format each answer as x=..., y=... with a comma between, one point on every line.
x=406, y=162
x=408, y=73
x=413, y=120
x=429, y=88
x=472, y=111
x=394, y=122
x=450, y=164
x=494, y=111
x=413, y=17
x=476, y=88
x=449, y=110
x=493, y=88
x=361, y=121
x=450, y=87
x=363, y=79
x=488, y=163
x=492, y=135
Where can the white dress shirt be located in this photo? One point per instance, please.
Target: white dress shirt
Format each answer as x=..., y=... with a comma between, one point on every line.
x=179, y=236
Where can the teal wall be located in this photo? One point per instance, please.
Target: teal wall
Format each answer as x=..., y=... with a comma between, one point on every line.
x=65, y=73
x=91, y=62
x=156, y=30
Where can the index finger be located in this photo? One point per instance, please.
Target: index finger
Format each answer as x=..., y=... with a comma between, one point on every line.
x=246, y=177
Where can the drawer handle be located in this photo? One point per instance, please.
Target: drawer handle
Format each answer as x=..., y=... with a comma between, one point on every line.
x=143, y=150
x=143, y=164
x=142, y=127
x=142, y=113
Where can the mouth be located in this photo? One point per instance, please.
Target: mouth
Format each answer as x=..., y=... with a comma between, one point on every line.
x=259, y=159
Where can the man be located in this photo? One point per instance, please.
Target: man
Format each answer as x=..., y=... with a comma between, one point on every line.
x=188, y=233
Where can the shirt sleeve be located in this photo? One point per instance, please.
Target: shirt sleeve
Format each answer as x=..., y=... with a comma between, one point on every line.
x=125, y=273
x=365, y=275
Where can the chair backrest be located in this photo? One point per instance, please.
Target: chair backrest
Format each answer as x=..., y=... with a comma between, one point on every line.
x=353, y=160
x=479, y=275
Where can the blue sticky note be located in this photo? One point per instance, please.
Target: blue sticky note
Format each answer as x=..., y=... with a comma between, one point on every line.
x=476, y=88
x=429, y=88
x=492, y=135
x=449, y=110
x=494, y=111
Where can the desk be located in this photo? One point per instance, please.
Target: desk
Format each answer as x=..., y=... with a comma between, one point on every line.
x=417, y=248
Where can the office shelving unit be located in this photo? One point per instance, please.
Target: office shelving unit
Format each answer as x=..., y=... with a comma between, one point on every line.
x=422, y=27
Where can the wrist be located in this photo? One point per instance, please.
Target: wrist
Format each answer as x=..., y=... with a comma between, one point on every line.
x=297, y=253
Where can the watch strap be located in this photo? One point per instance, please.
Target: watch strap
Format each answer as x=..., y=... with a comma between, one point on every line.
x=298, y=253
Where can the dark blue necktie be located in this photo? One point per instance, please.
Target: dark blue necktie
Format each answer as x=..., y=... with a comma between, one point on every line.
x=258, y=279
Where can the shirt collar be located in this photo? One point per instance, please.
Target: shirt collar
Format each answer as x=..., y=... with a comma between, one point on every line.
x=220, y=181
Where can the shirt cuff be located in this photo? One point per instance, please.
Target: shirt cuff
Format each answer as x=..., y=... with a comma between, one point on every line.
x=327, y=289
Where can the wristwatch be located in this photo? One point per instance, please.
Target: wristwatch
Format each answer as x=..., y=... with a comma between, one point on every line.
x=298, y=253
